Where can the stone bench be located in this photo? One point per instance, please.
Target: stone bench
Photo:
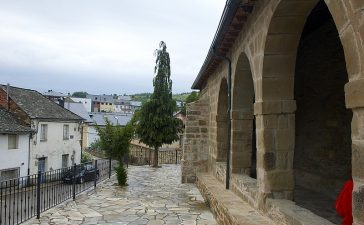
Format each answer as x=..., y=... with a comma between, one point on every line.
x=227, y=207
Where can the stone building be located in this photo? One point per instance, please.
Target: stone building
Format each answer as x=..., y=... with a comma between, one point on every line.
x=282, y=107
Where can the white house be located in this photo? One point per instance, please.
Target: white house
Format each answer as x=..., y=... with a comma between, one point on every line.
x=98, y=119
x=57, y=141
x=14, y=146
x=86, y=102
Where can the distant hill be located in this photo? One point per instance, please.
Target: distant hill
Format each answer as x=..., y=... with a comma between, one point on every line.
x=142, y=97
x=181, y=97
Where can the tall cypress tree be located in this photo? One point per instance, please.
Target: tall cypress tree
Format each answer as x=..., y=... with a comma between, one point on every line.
x=156, y=124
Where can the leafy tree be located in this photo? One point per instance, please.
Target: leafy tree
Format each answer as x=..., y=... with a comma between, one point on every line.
x=79, y=94
x=156, y=125
x=86, y=157
x=115, y=141
x=190, y=98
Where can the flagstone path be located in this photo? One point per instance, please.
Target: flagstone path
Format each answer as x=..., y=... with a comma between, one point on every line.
x=154, y=196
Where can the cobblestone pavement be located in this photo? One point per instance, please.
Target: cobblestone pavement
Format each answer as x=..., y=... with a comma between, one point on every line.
x=154, y=196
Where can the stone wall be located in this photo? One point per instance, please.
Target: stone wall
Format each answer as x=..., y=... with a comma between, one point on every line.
x=195, y=145
x=270, y=40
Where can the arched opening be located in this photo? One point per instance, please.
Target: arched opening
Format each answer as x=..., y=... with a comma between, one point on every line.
x=305, y=149
x=243, y=120
x=322, y=154
x=222, y=120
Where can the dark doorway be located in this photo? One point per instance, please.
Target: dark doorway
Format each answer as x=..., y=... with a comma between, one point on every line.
x=322, y=157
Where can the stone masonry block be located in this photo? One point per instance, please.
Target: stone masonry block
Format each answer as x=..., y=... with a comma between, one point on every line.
x=289, y=106
x=287, y=24
x=284, y=139
x=357, y=4
x=358, y=159
x=279, y=180
x=268, y=107
x=282, y=121
x=277, y=88
x=351, y=51
x=270, y=121
x=338, y=11
x=358, y=202
x=282, y=44
x=265, y=140
x=292, y=8
x=354, y=93
x=269, y=161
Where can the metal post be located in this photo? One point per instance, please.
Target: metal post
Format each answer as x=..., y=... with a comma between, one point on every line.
x=74, y=182
x=95, y=180
x=109, y=167
x=39, y=180
x=176, y=156
x=150, y=152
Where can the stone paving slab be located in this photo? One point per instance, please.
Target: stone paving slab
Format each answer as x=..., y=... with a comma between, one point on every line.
x=155, y=196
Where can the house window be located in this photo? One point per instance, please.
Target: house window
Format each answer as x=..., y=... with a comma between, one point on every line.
x=13, y=141
x=66, y=131
x=9, y=174
x=110, y=104
x=65, y=159
x=43, y=132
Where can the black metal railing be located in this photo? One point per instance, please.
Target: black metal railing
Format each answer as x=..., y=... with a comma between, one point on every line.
x=25, y=197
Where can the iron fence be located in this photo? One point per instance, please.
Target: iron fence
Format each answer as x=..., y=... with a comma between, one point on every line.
x=25, y=197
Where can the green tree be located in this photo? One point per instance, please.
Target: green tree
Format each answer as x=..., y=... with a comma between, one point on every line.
x=115, y=142
x=79, y=94
x=156, y=125
x=190, y=98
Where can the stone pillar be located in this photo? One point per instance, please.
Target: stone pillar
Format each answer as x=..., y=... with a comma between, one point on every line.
x=275, y=121
x=195, y=143
x=354, y=97
x=222, y=130
x=241, y=142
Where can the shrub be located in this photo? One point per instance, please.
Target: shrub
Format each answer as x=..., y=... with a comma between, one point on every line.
x=86, y=157
x=121, y=174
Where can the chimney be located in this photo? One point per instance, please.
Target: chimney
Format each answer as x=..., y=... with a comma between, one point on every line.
x=61, y=102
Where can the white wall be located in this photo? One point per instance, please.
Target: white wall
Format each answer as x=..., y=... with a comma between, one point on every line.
x=92, y=135
x=15, y=158
x=85, y=101
x=55, y=146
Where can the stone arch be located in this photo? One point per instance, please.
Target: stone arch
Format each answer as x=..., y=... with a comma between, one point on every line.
x=243, y=123
x=276, y=112
x=284, y=33
x=222, y=120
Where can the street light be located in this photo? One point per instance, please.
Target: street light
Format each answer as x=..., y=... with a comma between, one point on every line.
x=117, y=120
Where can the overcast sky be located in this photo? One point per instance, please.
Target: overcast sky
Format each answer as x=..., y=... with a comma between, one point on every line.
x=103, y=46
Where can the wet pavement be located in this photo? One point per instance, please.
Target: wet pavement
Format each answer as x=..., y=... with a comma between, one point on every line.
x=154, y=196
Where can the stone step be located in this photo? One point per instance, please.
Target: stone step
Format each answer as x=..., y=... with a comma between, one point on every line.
x=227, y=207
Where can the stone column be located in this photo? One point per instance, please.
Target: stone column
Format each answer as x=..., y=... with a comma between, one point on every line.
x=275, y=121
x=354, y=97
x=195, y=146
x=222, y=121
x=241, y=142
